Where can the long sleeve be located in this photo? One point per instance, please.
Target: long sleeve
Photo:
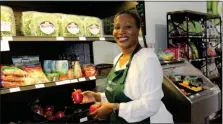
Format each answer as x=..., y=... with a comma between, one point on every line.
x=103, y=97
x=150, y=90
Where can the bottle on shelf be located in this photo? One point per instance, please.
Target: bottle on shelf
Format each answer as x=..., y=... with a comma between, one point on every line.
x=77, y=71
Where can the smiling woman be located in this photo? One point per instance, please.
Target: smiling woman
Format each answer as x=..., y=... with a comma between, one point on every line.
x=133, y=90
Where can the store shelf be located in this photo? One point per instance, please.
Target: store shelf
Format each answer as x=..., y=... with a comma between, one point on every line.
x=50, y=84
x=37, y=38
x=177, y=37
x=203, y=59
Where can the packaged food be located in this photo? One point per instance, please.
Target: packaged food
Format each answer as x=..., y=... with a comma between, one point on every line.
x=53, y=76
x=26, y=19
x=92, y=26
x=47, y=66
x=71, y=25
x=8, y=26
x=62, y=66
x=31, y=65
x=45, y=24
x=36, y=73
x=89, y=70
x=12, y=76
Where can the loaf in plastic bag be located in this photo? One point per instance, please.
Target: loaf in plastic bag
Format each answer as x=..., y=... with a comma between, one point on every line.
x=71, y=25
x=45, y=24
x=7, y=21
x=92, y=26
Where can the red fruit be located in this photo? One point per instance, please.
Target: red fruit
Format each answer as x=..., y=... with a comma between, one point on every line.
x=77, y=96
x=94, y=108
x=51, y=118
x=59, y=114
x=49, y=108
x=48, y=114
x=39, y=110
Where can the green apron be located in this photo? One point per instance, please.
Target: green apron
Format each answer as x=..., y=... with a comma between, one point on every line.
x=114, y=90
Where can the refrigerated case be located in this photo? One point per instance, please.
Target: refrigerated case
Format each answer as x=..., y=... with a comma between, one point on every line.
x=185, y=104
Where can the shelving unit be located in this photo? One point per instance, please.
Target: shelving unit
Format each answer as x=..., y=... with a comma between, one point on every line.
x=180, y=31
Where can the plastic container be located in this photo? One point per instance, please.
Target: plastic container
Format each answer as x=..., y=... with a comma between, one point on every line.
x=92, y=26
x=8, y=26
x=45, y=24
x=71, y=25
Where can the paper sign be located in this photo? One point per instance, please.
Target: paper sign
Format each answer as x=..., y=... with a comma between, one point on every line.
x=5, y=45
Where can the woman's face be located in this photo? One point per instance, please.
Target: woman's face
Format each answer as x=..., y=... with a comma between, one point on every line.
x=125, y=31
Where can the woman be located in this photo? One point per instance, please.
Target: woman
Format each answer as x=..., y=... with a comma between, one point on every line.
x=134, y=86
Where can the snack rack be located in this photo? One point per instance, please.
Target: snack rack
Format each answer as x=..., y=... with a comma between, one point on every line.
x=193, y=106
x=197, y=32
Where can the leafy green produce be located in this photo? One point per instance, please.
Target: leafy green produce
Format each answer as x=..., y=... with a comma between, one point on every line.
x=45, y=24
x=92, y=26
x=26, y=20
x=7, y=21
x=71, y=25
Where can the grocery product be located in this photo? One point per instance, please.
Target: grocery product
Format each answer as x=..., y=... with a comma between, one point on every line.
x=62, y=66
x=26, y=19
x=8, y=26
x=71, y=25
x=31, y=65
x=89, y=70
x=52, y=76
x=77, y=96
x=92, y=26
x=36, y=74
x=45, y=24
x=12, y=76
x=94, y=107
x=47, y=66
x=195, y=54
x=191, y=28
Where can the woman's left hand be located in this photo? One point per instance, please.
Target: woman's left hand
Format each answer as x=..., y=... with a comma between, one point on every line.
x=105, y=109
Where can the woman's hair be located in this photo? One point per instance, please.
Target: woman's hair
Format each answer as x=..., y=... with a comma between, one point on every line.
x=133, y=15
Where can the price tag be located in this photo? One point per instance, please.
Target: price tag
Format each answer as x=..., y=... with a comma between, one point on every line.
x=74, y=81
x=39, y=85
x=7, y=38
x=83, y=119
x=63, y=82
x=82, y=79
x=60, y=38
x=14, y=89
x=82, y=38
x=92, y=78
x=5, y=45
x=101, y=38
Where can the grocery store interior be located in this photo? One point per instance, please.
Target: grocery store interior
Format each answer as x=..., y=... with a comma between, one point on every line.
x=50, y=48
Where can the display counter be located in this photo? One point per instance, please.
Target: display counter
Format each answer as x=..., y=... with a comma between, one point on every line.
x=189, y=95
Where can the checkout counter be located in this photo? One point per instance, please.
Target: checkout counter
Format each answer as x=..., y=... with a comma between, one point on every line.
x=189, y=95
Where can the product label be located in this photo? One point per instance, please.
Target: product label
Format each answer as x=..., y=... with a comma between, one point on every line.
x=73, y=28
x=5, y=26
x=47, y=27
x=94, y=29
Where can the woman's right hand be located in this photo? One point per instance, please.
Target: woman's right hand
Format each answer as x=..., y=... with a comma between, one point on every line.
x=90, y=96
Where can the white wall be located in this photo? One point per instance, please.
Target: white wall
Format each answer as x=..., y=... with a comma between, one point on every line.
x=156, y=19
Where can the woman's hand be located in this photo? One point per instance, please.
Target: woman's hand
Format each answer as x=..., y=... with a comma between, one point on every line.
x=104, y=110
x=90, y=96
